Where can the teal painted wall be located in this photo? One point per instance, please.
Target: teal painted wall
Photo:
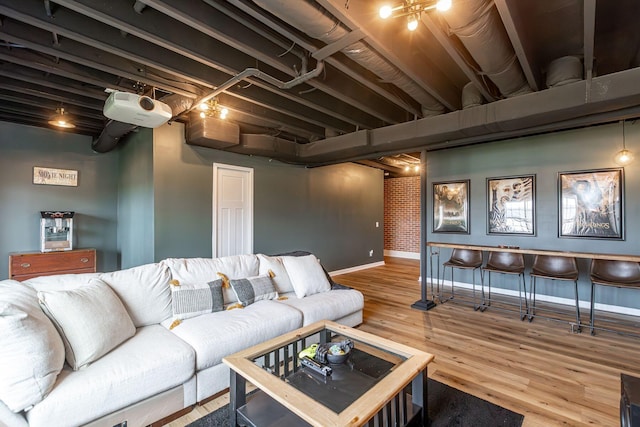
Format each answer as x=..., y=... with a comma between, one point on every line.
x=330, y=211
x=135, y=199
x=94, y=199
x=544, y=156
x=151, y=198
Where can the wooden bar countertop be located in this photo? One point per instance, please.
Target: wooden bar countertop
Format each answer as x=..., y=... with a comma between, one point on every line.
x=587, y=255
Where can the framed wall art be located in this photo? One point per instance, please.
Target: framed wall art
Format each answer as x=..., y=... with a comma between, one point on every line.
x=451, y=207
x=511, y=205
x=591, y=204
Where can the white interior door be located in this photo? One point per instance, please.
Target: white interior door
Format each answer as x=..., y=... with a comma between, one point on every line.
x=232, y=210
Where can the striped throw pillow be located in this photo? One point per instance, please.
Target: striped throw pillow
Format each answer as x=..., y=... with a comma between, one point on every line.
x=190, y=300
x=252, y=289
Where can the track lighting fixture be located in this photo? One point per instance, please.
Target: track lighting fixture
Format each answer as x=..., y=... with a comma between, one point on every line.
x=413, y=9
x=213, y=109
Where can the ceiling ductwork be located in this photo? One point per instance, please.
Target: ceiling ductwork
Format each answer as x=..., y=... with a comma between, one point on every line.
x=564, y=70
x=317, y=24
x=478, y=26
x=111, y=135
x=371, y=88
x=471, y=96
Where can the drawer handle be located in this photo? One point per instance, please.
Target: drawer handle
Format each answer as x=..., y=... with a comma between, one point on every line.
x=85, y=260
x=25, y=265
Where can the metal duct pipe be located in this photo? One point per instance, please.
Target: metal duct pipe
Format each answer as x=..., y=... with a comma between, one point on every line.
x=254, y=72
x=471, y=96
x=478, y=26
x=564, y=70
x=317, y=24
x=178, y=103
x=111, y=135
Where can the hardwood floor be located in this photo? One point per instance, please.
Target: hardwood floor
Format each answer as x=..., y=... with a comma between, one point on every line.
x=540, y=369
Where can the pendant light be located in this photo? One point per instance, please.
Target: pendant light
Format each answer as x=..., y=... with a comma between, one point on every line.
x=624, y=156
x=61, y=119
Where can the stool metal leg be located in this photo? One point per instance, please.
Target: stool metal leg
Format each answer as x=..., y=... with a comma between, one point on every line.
x=520, y=290
x=532, y=297
x=577, y=307
x=593, y=316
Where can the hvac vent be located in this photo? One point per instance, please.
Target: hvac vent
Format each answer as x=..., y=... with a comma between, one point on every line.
x=212, y=132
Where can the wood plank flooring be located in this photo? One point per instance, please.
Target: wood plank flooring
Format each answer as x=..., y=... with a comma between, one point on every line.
x=540, y=369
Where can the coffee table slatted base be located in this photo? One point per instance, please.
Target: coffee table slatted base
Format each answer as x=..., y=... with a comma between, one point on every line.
x=262, y=411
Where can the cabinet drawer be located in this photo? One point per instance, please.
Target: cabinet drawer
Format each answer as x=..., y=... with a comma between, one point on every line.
x=44, y=264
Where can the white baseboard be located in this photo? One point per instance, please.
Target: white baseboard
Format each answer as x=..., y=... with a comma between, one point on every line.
x=556, y=300
x=356, y=268
x=401, y=254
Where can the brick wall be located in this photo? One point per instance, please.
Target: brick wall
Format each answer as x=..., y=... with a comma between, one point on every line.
x=402, y=214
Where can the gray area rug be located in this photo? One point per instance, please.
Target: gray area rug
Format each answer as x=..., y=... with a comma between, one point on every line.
x=448, y=407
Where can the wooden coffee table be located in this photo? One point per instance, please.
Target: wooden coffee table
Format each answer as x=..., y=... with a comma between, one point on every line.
x=382, y=383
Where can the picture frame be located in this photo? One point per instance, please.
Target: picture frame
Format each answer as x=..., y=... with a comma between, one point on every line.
x=591, y=204
x=511, y=204
x=451, y=207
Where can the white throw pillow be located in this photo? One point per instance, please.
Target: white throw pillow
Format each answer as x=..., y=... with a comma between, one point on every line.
x=91, y=320
x=280, y=279
x=31, y=351
x=144, y=291
x=306, y=274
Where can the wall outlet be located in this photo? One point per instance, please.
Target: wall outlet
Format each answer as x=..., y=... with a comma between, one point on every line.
x=377, y=224
x=371, y=253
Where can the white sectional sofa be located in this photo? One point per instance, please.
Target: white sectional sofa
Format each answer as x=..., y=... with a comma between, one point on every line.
x=141, y=344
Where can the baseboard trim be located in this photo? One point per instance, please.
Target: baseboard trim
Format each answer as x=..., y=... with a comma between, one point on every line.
x=556, y=300
x=401, y=254
x=356, y=268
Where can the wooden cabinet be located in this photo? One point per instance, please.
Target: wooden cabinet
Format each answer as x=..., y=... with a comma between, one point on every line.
x=25, y=265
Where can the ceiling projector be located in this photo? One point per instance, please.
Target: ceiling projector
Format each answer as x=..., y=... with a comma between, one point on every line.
x=136, y=110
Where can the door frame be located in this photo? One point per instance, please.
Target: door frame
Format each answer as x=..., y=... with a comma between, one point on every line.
x=214, y=229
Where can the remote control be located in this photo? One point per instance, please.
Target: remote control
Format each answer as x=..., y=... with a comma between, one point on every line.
x=315, y=366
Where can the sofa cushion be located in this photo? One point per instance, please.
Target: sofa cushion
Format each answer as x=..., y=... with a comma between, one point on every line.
x=61, y=282
x=204, y=270
x=31, y=351
x=90, y=319
x=253, y=289
x=280, y=275
x=152, y=361
x=190, y=300
x=306, y=274
x=331, y=305
x=144, y=291
x=216, y=335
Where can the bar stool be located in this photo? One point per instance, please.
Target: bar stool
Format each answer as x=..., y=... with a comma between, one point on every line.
x=554, y=268
x=507, y=263
x=619, y=274
x=466, y=259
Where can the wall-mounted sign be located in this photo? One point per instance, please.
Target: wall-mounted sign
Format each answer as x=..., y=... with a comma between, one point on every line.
x=49, y=176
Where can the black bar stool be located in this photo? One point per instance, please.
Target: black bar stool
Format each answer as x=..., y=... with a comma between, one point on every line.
x=620, y=274
x=507, y=263
x=554, y=268
x=467, y=259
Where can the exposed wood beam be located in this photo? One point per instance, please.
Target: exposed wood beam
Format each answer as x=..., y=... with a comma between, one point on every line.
x=533, y=75
x=589, y=40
